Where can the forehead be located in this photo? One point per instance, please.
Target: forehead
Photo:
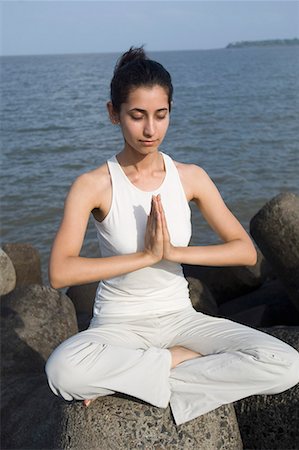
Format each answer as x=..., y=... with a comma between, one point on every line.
x=145, y=97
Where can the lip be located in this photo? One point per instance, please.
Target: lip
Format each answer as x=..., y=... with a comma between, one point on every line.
x=148, y=142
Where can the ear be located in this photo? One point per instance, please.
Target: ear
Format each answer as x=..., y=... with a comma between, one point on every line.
x=114, y=116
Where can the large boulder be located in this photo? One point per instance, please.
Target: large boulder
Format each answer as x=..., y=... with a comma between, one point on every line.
x=275, y=229
x=33, y=418
x=119, y=422
x=267, y=306
x=34, y=320
x=26, y=261
x=7, y=274
x=201, y=298
x=271, y=421
x=30, y=413
x=226, y=283
x=83, y=296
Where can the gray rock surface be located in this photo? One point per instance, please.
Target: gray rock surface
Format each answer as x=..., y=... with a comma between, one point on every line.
x=271, y=421
x=201, y=298
x=7, y=274
x=30, y=413
x=26, y=261
x=275, y=229
x=83, y=297
x=33, y=418
x=265, y=307
x=226, y=283
x=116, y=423
x=34, y=320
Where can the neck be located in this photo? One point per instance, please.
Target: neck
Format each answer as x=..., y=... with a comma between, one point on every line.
x=141, y=162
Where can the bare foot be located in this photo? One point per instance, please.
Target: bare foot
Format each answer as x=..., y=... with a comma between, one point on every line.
x=180, y=354
x=86, y=403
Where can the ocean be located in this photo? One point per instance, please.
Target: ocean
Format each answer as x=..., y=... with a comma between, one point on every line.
x=235, y=114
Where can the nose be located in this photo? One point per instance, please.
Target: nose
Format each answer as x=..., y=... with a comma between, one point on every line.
x=149, y=128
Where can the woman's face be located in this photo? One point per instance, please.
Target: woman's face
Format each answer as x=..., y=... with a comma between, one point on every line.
x=144, y=118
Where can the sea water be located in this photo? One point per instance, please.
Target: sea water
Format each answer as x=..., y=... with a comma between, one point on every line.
x=235, y=113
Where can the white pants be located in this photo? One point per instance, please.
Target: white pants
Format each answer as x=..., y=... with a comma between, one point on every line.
x=131, y=356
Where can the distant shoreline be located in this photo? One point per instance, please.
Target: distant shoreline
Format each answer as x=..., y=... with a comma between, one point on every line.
x=237, y=44
x=265, y=43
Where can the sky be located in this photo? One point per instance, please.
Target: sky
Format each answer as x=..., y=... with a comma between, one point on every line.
x=67, y=26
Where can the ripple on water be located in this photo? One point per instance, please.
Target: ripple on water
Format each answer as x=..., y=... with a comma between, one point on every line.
x=234, y=113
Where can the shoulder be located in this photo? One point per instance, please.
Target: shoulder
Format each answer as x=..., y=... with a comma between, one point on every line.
x=92, y=185
x=190, y=169
x=96, y=177
x=194, y=179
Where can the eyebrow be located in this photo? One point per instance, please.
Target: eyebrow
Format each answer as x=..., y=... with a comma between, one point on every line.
x=144, y=110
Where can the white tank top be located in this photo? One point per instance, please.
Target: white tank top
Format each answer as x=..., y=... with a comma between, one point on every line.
x=162, y=287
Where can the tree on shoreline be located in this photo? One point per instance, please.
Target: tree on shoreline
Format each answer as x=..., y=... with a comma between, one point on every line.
x=265, y=43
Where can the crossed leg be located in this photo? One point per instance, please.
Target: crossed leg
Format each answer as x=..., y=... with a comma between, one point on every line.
x=129, y=358
x=238, y=361
x=179, y=354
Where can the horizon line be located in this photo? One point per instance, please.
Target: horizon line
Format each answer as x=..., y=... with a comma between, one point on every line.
x=109, y=52
x=149, y=51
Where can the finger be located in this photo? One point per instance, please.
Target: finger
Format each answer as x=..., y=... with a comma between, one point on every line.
x=164, y=226
x=150, y=219
x=152, y=206
x=159, y=226
x=160, y=203
x=157, y=216
x=161, y=209
x=156, y=205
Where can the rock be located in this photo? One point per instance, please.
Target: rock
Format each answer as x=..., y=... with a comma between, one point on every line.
x=34, y=320
x=266, y=307
x=26, y=261
x=30, y=413
x=271, y=421
x=83, y=297
x=229, y=282
x=201, y=298
x=275, y=229
x=7, y=274
x=83, y=320
x=122, y=423
x=33, y=418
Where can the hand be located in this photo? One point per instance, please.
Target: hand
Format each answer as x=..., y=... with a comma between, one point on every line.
x=153, y=244
x=167, y=246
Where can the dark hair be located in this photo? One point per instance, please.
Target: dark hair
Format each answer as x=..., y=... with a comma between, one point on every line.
x=135, y=69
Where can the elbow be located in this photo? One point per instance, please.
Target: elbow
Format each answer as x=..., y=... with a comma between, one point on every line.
x=55, y=282
x=251, y=255
x=56, y=278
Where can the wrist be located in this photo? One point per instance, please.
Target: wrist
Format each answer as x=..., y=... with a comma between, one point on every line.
x=170, y=254
x=150, y=258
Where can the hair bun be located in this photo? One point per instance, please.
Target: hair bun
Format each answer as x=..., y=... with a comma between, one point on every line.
x=134, y=69
x=133, y=54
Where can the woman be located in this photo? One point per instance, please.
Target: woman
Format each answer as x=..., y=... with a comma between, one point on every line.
x=145, y=339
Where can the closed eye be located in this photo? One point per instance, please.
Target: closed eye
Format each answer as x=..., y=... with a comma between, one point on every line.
x=137, y=117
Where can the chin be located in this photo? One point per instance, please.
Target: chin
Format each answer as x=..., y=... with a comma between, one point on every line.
x=146, y=150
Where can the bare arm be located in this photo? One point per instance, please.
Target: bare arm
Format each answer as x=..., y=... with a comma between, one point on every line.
x=67, y=268
x=237, y=247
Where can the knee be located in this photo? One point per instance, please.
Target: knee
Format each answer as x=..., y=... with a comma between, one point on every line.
x=292, y=370
x=59, y=375
x=283, y=366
